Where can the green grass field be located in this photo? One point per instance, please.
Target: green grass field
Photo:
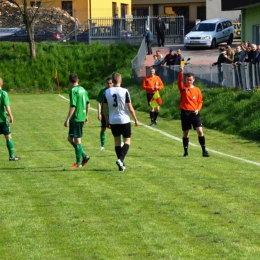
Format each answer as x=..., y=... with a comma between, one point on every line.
x=163, y=206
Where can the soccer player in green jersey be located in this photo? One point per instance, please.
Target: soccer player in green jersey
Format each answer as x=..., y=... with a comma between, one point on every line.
x=101, y=116
x=77, y=117
x=5, y=111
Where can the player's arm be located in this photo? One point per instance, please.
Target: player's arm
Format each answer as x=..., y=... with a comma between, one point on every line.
x=71, y=111
x=9, y=113
x=180, y=78
x=99, y=111
x=132, y=111
x=88, y=109
x=130, y=108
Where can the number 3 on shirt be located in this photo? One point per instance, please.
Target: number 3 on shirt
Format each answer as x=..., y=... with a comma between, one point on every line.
x=115, y=104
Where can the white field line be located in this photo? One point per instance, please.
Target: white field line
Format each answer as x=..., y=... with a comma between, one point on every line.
x=180, y=140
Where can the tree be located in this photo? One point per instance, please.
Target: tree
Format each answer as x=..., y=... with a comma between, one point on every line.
x=28, y=15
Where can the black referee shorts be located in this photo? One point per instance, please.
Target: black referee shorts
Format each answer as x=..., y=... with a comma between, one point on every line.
x=188, y=119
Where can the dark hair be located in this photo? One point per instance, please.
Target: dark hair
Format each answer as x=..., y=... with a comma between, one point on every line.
x=73, y=78
x=108, y=79
x=189, y=74
x=116, y=77
x=222, y=48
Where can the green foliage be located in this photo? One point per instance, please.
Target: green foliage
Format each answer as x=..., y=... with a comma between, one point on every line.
x=92, y=63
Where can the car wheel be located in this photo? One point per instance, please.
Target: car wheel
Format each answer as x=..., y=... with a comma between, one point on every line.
x=213, y=44
x=230, y=39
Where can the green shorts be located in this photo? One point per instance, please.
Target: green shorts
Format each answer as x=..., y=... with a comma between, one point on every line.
x=5, y=128
x=76, y=129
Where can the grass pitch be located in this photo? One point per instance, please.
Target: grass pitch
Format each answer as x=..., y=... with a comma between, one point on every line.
x=163, y=206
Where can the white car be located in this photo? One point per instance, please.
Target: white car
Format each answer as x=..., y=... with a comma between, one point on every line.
x=209, y=33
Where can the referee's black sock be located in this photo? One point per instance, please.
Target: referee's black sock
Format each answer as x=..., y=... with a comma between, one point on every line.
x=185, y=142
x=155, y=115
x=202, y=143
x=118, y=150
x=152, y=116
x=124, y=152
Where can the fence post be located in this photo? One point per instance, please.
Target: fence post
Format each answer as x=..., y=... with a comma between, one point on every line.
x=75, y=20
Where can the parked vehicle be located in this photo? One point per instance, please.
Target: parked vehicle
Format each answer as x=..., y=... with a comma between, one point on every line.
x=39, y=36
x=209, y=33
x=100, y=32
x=237, y=30
x=8, y=31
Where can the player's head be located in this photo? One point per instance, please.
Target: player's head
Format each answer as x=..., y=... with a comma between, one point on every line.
x=190, y=79
x=73, y=78
x=109, y=82
x=1, y=83
x=116, y=78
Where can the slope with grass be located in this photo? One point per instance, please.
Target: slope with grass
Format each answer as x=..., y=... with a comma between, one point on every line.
x=163, y=206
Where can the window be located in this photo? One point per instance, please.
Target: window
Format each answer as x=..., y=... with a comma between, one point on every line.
x=256, y=34
x=114, y=9
x=224, y=25
x=201, y=13
x=177, y=10
x=140, y=11
x=67, y=6
x=35, y=4
x=124, y=10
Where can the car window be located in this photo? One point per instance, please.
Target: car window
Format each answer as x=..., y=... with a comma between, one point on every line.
x=207, y=27
x=229, y=24
x=219, y=27
x=224, y=24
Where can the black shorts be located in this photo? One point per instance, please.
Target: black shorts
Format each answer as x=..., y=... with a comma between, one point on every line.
x=121, y=129
x=149, y=97
x=188, y=119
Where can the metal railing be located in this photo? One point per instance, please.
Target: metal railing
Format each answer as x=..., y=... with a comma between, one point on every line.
x=245, y=76
x=138, y=60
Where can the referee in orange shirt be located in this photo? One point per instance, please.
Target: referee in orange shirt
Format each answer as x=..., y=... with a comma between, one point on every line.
x=190, y=105
x=151, y=84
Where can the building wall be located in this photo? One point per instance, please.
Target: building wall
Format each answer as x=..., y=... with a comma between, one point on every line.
x=251, y=19
x=214, y=11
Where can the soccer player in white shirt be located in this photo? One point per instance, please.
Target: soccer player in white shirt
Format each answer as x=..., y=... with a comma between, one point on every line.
x=118, y=102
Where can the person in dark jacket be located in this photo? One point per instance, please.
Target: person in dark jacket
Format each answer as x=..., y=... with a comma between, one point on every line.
x=170, y=58
x=221, y=59
x=160, y=28
x=148, y=39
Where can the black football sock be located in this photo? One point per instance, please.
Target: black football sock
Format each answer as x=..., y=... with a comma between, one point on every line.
x=118, y=150
x=152, y=116
x=185, y=142
x=156, y=115
x=124, y=152
x=202, y=143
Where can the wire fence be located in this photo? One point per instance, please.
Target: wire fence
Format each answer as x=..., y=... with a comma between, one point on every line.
x=138, y=60
x=245, y=76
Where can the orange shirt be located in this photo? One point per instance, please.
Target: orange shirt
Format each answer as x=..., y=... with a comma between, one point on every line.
x=150, y=82
x=191, y=98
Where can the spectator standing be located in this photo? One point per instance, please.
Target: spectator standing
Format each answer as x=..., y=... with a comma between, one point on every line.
x=254, y=53
x=250, y=53
x=117, y=105
x=159, y=55
x=5, y=111
x=160, y=29
x=190, y=106
x=179, y=58
x=221, y=59
x=238, y=56
x=101, y=117
x=229, y=56
x=170, y=58
x=156, y=61
x=148, y=39
x=257, y=60
x=151, y=84
x=77, y=117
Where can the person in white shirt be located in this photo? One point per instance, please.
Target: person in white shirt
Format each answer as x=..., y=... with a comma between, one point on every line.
x=117, y=105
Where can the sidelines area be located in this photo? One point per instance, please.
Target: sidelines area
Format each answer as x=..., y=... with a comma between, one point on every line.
x=180, y=140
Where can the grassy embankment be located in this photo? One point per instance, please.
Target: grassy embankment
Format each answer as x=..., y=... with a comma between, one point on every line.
x=228, y=110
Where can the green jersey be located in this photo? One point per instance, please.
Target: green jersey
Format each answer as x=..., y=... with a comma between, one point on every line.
x=4, y=101
x=100, y=98
x=79, y=99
